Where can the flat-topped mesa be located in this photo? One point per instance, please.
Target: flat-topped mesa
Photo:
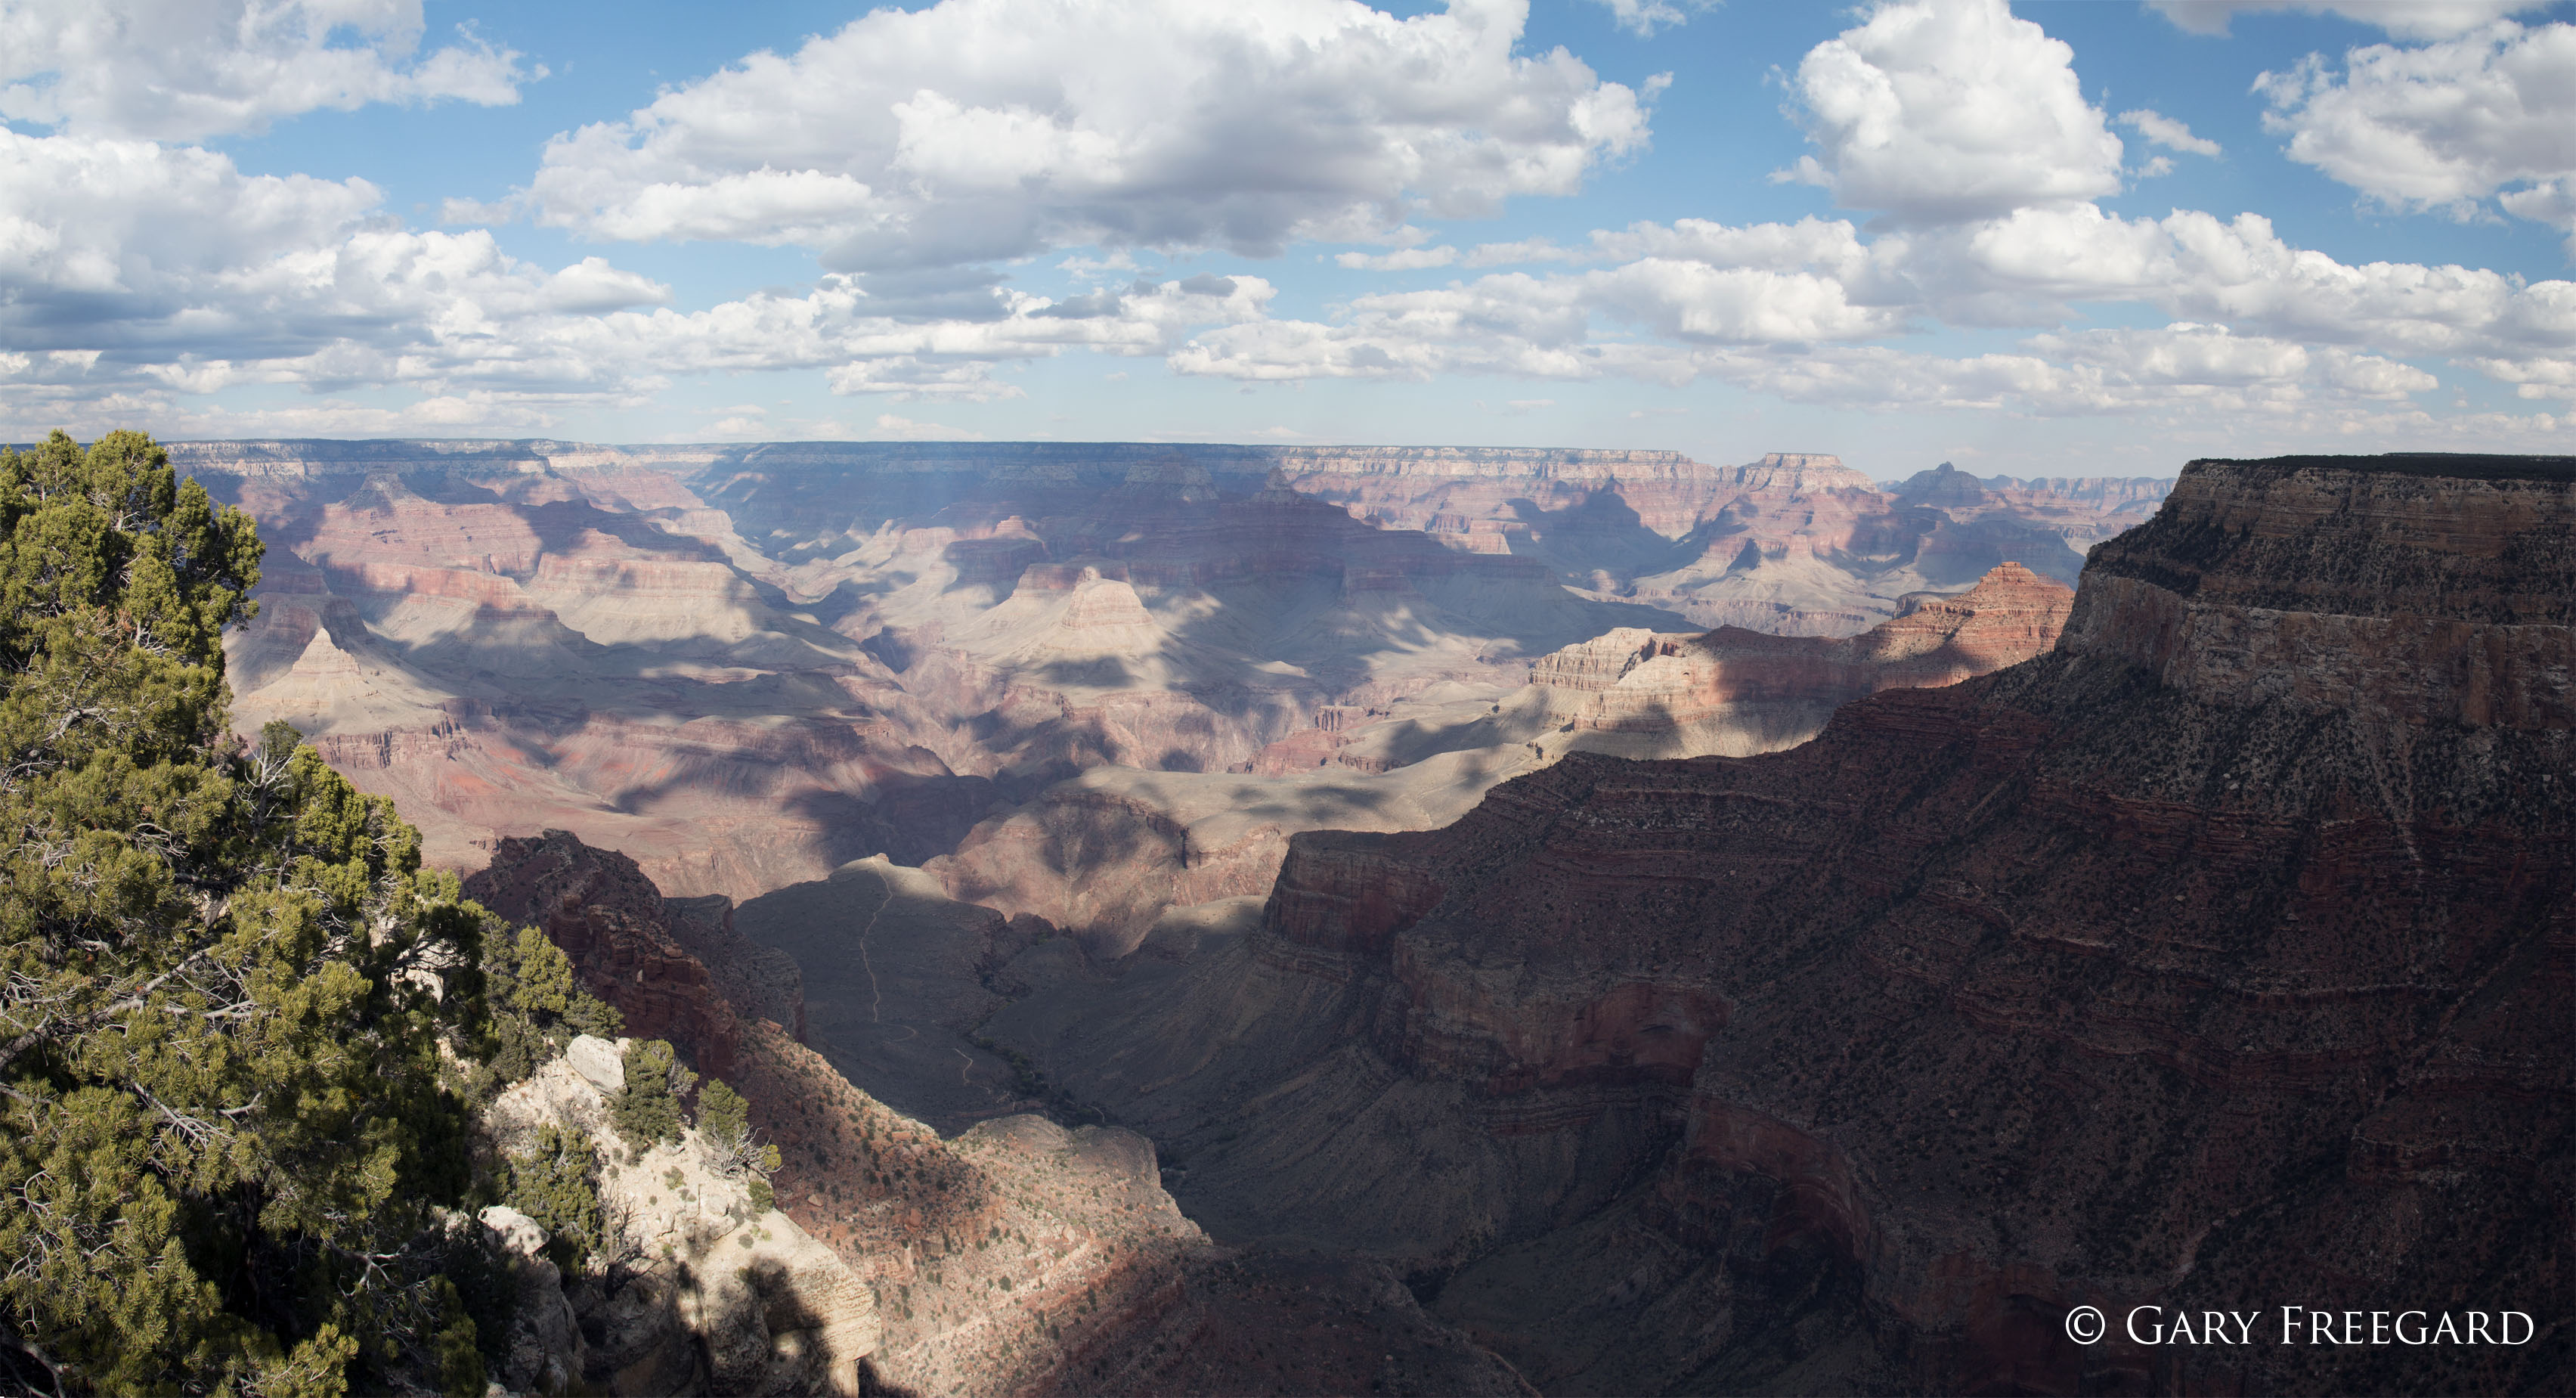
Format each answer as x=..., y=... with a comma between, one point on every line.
x=2407, y=588
x=1798, y=470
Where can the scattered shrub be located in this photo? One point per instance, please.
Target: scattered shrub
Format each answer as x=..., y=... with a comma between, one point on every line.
x=557, y=1185
x=646, y=1111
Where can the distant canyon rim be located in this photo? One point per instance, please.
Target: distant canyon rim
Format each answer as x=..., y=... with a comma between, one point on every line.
x=747, y=666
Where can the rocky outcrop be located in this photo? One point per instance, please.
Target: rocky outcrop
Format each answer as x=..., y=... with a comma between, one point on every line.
x=696, y=1288
x=1103, y=856
x=2248, y=590
x=2222, y=958
x=610, y=919
x=535, y=636
x=759, y=982
x=747, y=666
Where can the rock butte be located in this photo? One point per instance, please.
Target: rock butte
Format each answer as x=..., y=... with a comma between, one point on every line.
x=2221, y=958
x=746, y=666
x=1106, y=854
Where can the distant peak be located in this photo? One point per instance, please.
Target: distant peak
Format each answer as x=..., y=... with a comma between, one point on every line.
x=1944, y=484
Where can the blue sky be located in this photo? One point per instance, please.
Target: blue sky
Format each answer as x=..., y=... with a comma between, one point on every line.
x=2058, y=238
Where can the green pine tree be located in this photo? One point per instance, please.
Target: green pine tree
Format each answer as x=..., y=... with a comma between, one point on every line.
x=557, y=1186
x=536, y=1005
x=224, y=981
x=646, y=1111
x=724, y=1118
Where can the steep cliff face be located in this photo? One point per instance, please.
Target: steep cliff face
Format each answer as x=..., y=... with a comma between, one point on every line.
x=513, y=637
x=1012, y=1256
x=747, y=665
x=2218, y=959
x=1104, y=855
x=610, y=919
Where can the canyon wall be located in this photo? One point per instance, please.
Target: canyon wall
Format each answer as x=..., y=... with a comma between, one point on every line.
x=748, y=665
x=1104, y=855
x=2223, y=957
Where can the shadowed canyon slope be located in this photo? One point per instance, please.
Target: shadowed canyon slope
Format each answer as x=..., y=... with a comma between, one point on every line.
x=1014, y=1257
x=2223, y=957
x=746, y=666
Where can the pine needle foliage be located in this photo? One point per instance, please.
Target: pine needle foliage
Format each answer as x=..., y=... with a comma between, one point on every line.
x=646, y=1111
x=224, y=979
x=557, y=1185
x=537, y=1006
x=724, y=1118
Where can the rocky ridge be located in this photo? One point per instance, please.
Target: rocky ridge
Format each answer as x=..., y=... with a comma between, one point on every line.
x=704, y=1290
x=2219, y=958
x=1105, y=854
x=513, y=637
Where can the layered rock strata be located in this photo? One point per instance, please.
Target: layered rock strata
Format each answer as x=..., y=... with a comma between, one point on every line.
x=746, y=666
x=612, y=922
x=981, y=1257
x=1103, y=856
x=508, y=638
x=2222, y=958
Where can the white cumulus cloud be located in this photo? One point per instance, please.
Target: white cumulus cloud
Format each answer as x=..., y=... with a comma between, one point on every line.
x=2407, y=19
x=188, y=69
x=2164, y=131
x=1641, y=17
x=979, y=130
x=2443, y=125
x=905, y=429
x=1400, y=260
x=1943, y=111
x=131, y=271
